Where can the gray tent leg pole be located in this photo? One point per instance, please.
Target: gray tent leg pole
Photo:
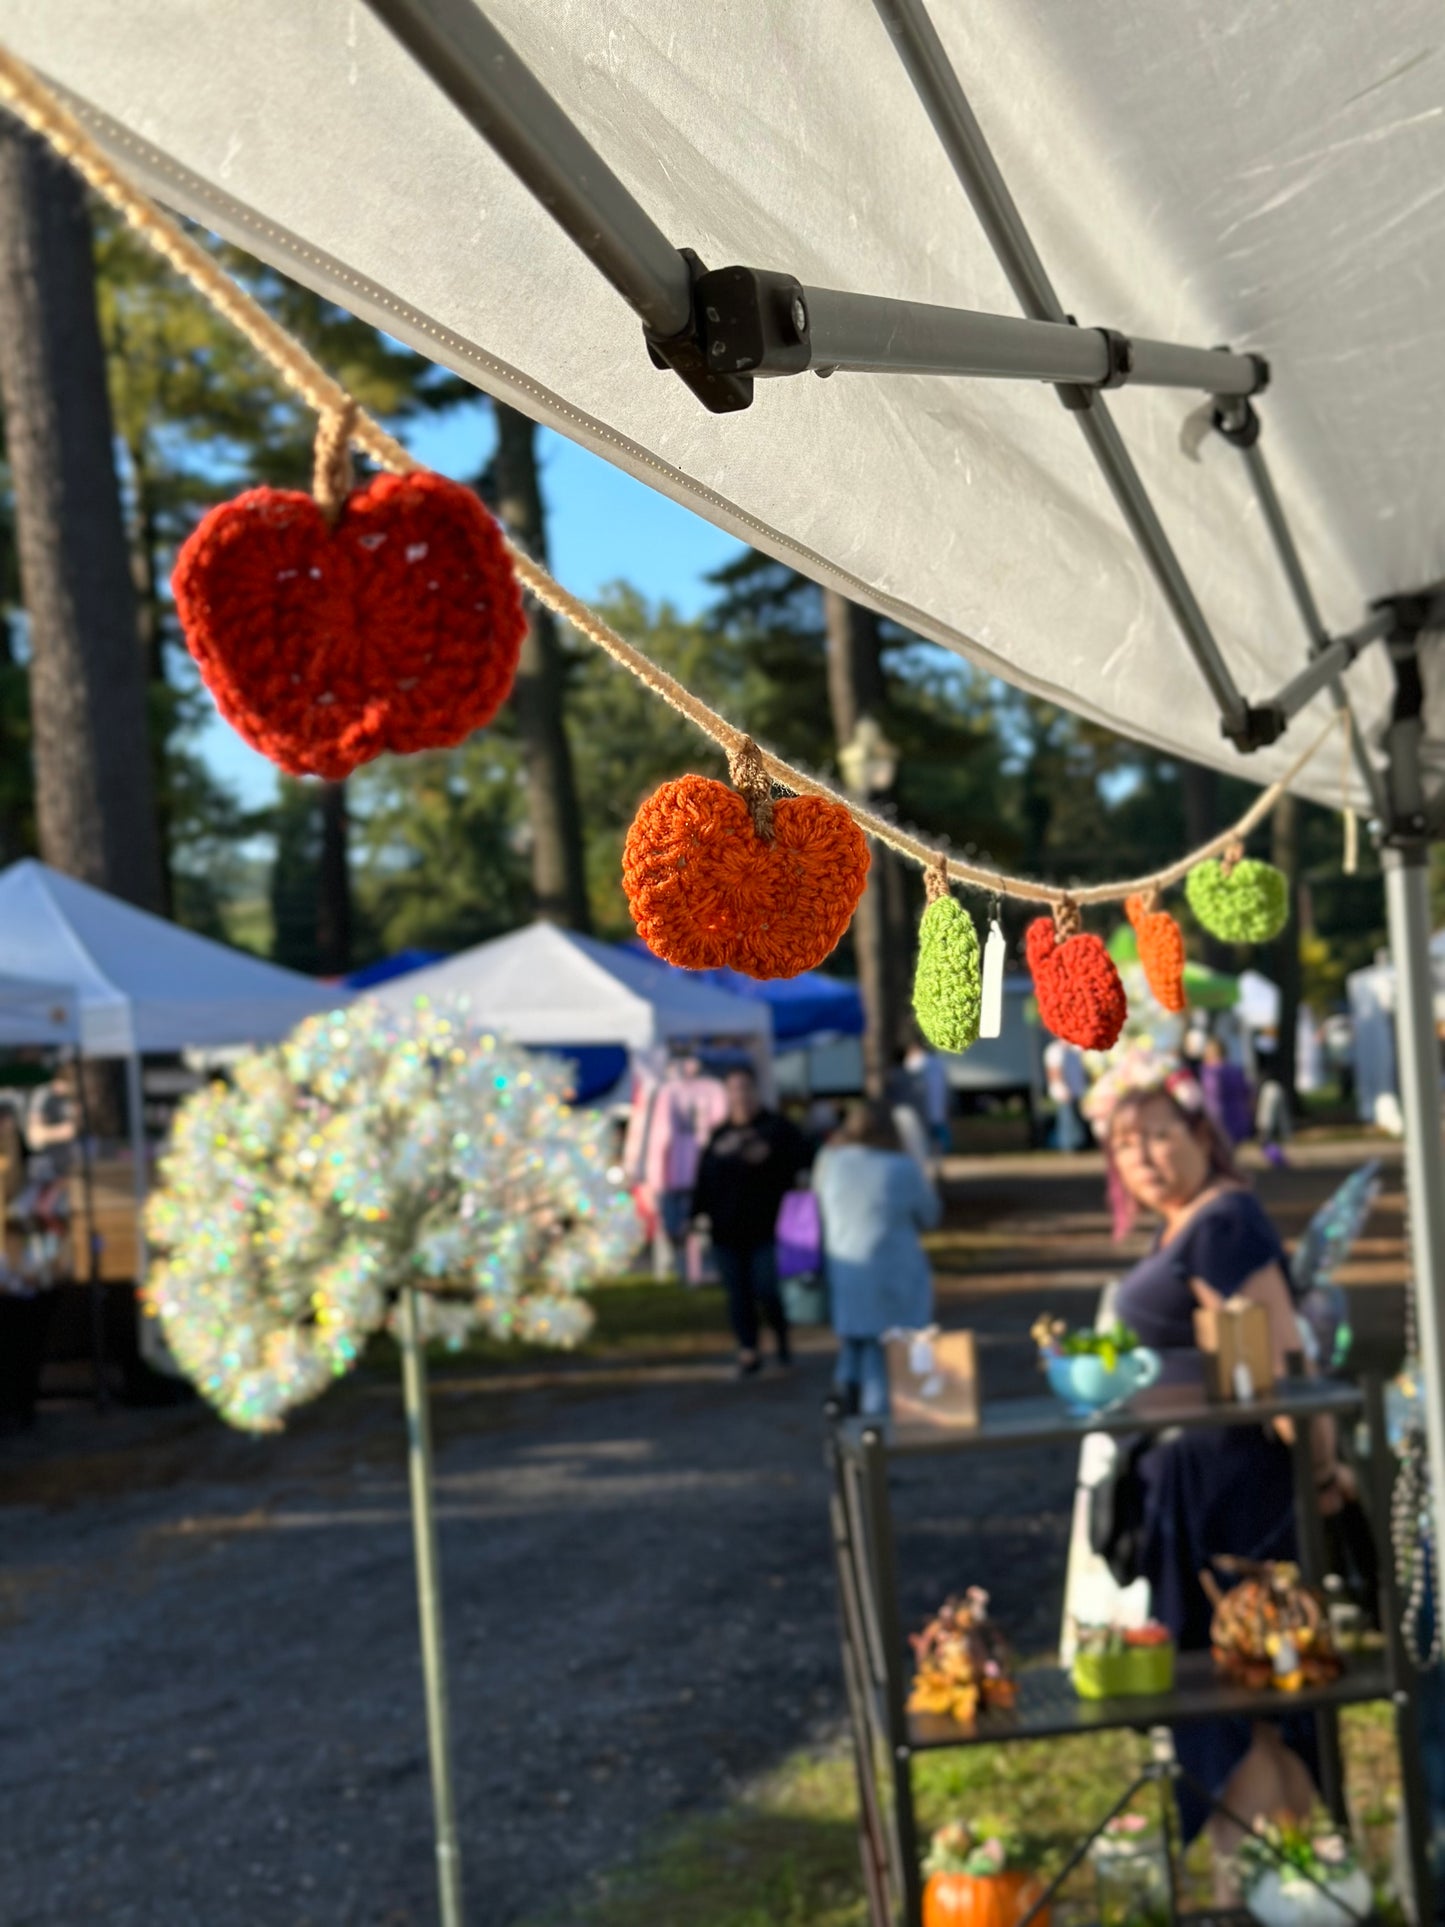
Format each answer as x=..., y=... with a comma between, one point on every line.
x=429, y=1609
x=1407, y=898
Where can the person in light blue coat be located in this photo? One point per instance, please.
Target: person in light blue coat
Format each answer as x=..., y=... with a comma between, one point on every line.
x=873, y=1200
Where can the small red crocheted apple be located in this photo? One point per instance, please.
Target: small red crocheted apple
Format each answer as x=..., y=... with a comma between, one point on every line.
x=1080, y=995
x=396, y=628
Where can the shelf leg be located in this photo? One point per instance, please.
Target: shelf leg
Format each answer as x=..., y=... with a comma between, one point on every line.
x=1310, y=1534
x=883, y=1577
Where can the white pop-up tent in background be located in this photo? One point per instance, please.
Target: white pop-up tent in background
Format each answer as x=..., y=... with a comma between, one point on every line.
x=135, y=983
x=1273, y=185
x=551, y=988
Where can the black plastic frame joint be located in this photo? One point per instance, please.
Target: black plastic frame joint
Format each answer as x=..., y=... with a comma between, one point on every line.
x=1120, y=353
x=1237, y=420
x=721, y=389
x=1256, y=727
x=1413, y=613
x=753, y=322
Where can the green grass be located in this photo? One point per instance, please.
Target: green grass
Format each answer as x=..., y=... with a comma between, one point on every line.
x=637, y=1318
x=787, y=1855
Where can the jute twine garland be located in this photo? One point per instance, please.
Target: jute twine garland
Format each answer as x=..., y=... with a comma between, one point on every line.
x=37, y=106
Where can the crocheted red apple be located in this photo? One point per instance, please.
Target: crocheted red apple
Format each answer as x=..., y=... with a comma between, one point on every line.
x=398, y=628
x=1080, y=995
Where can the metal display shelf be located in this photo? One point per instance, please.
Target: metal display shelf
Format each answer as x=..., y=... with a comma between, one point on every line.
x=877, y=1668
x=1049, y=1708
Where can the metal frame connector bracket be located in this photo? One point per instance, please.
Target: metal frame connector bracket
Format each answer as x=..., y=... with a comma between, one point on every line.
x=710, y=355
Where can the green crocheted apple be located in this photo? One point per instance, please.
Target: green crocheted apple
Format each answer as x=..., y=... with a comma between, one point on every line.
x=1242, y=902
x=947, y=985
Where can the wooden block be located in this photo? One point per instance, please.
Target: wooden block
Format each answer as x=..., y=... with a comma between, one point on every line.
x=933, y=1378
x=1229, y=1335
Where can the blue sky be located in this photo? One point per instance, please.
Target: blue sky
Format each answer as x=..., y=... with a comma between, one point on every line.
x=602, y=527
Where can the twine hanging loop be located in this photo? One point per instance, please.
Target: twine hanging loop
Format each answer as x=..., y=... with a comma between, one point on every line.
x=751, y=781
x=1068, y=920
x=332, y=475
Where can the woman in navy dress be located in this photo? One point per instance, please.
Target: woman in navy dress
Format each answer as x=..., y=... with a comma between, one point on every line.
x=1226, y=1490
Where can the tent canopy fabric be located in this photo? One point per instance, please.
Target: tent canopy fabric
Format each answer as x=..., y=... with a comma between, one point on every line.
x=811, y=1004
x=385, y=968
x=143, y=984
x=1269, y=185
x=34, y=1012
x=548, y=986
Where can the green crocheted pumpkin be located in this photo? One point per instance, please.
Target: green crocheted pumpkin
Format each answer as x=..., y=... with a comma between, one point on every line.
x=947, y=989
x=1249, y=905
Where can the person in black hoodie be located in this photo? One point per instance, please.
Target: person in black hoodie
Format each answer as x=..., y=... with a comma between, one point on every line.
x=747, y=1169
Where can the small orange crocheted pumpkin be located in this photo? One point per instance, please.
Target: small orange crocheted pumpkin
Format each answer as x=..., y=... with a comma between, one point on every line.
x=706, y=887
x=1081, y=997
x=1161, y=949
x=398, y=628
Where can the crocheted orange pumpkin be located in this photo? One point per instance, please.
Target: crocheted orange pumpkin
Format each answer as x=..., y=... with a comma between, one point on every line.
x=1080, y=996
x=398, y=628
x=707, y=888
x=1161, y=950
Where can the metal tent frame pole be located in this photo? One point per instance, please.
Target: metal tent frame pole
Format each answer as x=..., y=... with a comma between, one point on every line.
x=719, y=330
x=937, y=85
x=1407, y=900
x=429, y=1609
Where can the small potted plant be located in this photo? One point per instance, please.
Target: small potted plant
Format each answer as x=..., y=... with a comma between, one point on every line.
x=1091, y=1370
x=981, y=1874
x=1131, y=1869
x=1123, y=1662
x=1295, y=1875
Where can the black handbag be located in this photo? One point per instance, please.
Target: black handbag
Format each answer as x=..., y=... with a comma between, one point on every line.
x=1116, y=1513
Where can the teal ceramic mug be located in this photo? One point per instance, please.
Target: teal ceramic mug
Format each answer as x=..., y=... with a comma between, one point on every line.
x=1086, y=1383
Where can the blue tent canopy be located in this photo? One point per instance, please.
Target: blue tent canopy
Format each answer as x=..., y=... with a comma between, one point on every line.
x=802, y=1006
x=385, y=968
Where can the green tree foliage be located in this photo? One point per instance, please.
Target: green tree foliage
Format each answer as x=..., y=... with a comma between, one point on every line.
x=441, y=847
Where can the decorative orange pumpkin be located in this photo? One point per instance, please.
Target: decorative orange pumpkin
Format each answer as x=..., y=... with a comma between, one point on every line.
x=981, y=1900
x=1080, y=995
x=1161, y=949
x=714, y=876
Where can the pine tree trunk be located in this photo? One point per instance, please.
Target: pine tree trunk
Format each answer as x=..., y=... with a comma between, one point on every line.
x=95, y=797
x=144, y=540
x=559, y=872
x=856, y=688
x=333, y=891
x=1284, y=955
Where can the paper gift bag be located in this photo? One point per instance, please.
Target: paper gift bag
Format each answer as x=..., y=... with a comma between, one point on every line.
x=932, y=1377
x=1232, y=1335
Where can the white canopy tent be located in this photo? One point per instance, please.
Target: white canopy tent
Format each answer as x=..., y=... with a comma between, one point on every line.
x=1374, y=1003
x=548, y=986
x=142, y=984
x=33, y=1012
x=1272, y=180
x=137, y=983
